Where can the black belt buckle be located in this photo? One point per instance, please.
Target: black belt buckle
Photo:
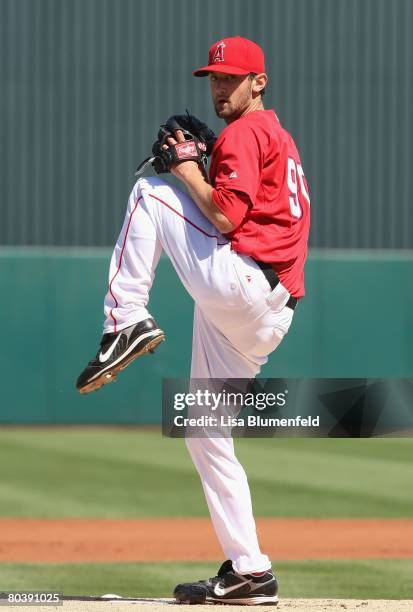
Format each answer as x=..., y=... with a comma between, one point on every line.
x=273, y=281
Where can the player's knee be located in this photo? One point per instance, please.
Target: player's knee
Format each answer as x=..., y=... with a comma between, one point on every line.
x=148, y=183
x=190, y=445
x=197, y=448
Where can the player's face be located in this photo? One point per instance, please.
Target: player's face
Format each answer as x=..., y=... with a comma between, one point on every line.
x=231, y=94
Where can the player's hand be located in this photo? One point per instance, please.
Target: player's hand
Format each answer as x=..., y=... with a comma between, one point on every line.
x=184, y=169
x=179, y=137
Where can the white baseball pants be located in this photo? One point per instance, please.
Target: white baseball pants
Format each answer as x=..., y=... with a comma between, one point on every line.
x=238, y=322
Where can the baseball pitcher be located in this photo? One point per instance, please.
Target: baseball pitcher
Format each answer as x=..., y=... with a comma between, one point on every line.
x=238, y=243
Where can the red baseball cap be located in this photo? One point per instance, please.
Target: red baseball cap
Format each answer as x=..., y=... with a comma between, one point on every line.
x=235, y=55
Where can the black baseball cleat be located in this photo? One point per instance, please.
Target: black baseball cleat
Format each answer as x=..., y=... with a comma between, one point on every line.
x=228, y=587
x=117, y=350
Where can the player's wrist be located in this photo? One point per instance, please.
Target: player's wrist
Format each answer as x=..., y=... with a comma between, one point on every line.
x=187, y=170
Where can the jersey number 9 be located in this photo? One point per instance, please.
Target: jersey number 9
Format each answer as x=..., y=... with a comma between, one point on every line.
x=295, y=186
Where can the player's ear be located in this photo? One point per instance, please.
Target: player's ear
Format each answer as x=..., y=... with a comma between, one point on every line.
x=259, y=82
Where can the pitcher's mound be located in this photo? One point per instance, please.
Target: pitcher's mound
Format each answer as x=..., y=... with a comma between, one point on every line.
x=288, y=605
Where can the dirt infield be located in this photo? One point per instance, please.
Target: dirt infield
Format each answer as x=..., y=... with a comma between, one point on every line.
x=79, y=540
x=288, y=605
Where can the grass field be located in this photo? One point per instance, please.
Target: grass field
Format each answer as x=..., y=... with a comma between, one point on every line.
x=370, y=579
x=117, y=473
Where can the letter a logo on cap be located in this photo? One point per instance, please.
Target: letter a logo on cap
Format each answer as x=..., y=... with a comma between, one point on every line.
x=234, y=55
x=219, y=53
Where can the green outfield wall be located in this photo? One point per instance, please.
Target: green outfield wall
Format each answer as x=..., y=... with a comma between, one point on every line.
x=356, y=321
x=86, y=83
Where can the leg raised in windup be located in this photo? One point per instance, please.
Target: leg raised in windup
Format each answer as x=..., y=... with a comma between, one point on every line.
x=117, y=350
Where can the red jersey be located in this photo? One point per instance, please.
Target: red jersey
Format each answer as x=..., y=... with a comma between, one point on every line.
x=260, y=187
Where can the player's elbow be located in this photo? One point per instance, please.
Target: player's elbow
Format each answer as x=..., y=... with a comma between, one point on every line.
x=223, y=224
x=229, y=202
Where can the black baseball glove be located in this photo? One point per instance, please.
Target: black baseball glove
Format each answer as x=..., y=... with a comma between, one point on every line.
x=199, y=141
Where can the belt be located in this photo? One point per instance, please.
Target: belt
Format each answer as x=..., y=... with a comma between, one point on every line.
x=273, y=280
